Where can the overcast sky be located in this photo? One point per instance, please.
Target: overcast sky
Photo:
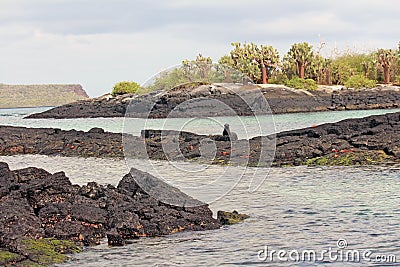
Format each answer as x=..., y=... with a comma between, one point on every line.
x=99, y=42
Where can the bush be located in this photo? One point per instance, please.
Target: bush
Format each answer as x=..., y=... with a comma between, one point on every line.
x=352, y=63
x=359, y=81
x=125, y=88
x=298, y=83
x=189, y=85
x=278, y=78
x=397, y=80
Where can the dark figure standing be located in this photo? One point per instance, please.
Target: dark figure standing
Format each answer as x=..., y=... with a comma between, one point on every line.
x=227, y=133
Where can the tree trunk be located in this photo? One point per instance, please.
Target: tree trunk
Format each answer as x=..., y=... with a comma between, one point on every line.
x=264, y=74
x=321, y=77
x=228, y=78
x=366, y=71
x=328, y=77
x=386, y=74
x=302, y=71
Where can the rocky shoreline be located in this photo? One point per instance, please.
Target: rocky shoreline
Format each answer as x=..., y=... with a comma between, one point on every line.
x=43, y=217
x=280, y=99
x=369, y=140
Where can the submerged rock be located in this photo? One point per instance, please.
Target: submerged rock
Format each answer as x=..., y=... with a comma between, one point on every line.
x=228, y=218
x=43, y=216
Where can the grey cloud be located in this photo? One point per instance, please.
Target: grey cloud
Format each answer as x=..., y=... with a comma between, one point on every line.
x=103, y=41
x=217, y=21
x=94, y=17
x=202, y=19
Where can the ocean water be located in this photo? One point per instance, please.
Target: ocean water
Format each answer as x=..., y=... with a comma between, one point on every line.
x=245, y=127
x=295, y=209
x=343, y=210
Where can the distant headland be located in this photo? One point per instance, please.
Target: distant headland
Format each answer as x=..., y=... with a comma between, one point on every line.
x=39, y=95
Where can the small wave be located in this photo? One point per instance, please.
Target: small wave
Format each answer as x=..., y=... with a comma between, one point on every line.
x=12, y=115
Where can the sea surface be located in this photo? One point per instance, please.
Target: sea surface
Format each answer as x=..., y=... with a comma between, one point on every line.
x=245, y=127
x=344, y=210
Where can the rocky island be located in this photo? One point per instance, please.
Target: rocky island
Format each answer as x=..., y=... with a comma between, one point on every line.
x=370, y=140
x=281, y=99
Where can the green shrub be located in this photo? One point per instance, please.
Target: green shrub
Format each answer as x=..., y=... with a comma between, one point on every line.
x=359, y=81
x=49, y=251
x=125, y=88
x=298, y=83
x=190, y=85
x=278, y=78
x=397, y=80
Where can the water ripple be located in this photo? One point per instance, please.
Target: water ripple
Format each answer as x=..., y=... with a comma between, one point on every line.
x=296, y=208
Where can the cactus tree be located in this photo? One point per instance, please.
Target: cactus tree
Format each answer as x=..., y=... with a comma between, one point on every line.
x=258, y=62
x=199, y=68
x=302, y=55
x=385, y=59
x=268, y=59
x=320, y=70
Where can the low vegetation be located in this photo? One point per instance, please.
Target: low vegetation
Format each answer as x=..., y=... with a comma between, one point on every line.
x=42, y=252
x=299, y=83
x=8, y=258
x=49, y=251
x=349, y=159
x=359, y=81
x=125, y=87
x=201, y=70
